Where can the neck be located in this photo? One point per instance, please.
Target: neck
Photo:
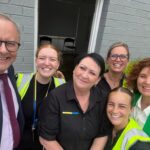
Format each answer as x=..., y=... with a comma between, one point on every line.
x=145, y=102
x=114, y=76
x=41, y=79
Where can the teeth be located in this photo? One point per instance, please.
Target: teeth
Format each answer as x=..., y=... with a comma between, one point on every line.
x=47, y=69
x=147, y=88
x=117, y=65
x=115, y=116
x=2, y=58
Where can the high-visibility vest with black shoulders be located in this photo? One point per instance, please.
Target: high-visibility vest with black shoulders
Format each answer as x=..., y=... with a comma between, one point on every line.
x=23, y=82
x=130, y=135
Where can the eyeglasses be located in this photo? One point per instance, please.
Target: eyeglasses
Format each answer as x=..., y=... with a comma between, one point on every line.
x=11, y=46
x=122, y=57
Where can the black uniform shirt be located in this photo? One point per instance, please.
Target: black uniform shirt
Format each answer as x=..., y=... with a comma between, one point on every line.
x=104, y=86
x=62, y=119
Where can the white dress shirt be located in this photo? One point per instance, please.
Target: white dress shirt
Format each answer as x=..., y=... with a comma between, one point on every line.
x=7, y=135
x=140, y=115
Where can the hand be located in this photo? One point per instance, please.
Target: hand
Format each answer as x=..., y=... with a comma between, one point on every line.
x=59, y=74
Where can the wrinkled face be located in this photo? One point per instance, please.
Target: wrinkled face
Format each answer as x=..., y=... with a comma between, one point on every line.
x=47, y=62
x=118, y=59
x=143, y=82
x=86, y=74
x=8, y=32
x=118, y=109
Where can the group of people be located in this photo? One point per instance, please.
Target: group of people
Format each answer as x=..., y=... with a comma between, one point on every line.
x=94, y=111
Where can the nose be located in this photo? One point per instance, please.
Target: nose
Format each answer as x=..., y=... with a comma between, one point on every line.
x=3, y=48
x=118, y=59
x=85, y=74
x=47, y=61
x=115, y=109
x=148, y=80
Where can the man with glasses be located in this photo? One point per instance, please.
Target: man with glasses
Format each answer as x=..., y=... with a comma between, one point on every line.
x=11, y=117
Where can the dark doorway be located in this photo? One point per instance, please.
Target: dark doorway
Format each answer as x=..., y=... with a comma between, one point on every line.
x=61, y=19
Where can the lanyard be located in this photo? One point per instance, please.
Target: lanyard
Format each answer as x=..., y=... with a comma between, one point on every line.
x=34, y=123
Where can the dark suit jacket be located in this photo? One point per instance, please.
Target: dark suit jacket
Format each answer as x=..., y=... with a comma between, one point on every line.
x=20, y=114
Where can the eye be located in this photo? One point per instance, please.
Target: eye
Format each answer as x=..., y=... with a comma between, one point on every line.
x=11, y=43
x=93, y=73
x=52, y=59
x=142, y=76
x=122, y=106
x=41, y=58
x=82, y=68
x=110, y=104
x=123, y=56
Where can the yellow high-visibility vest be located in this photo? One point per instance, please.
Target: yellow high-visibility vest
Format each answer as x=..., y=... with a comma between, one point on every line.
x=23, y=82
x=130, y=135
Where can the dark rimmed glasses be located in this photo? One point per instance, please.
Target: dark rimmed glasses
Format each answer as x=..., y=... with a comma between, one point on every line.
x=11, y=46
x=122, y=57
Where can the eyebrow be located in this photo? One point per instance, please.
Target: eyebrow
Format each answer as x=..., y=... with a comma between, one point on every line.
x=88, y=68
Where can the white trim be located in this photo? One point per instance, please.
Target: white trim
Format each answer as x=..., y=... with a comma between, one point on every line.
x=35, y=30
x=95, y=25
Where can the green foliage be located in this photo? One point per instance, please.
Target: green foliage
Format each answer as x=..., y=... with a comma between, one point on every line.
x=130, y=66
x=128, y=70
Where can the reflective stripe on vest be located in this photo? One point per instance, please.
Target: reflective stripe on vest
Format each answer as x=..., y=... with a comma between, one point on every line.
x=130, y=135
x=23, y=82
x=58, y=81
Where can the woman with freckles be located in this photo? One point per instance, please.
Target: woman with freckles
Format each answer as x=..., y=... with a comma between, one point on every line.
x=139, y=81
x=126, y=133
x=33, y=88
x=73, y=115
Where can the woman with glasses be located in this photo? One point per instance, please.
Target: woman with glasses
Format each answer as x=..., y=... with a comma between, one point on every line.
x=117, y=60
x=33, y=88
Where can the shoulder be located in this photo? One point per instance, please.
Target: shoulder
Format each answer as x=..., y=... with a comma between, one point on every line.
x=140, y=146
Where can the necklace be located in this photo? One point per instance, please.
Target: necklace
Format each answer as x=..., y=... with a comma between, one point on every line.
x=113, y=83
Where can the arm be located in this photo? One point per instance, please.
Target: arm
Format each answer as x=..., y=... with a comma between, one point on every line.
x=50, y=145
x=48, y=124
x=99, y=143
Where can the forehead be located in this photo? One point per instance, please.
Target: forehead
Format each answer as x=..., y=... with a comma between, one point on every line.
x=8, y=30
x=47, y=51
x=119, y=96
x=145, y=70
x=119, y=50
x=90, y=63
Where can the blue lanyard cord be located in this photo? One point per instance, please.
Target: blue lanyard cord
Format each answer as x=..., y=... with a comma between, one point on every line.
x=34, y=106
x=34, y=123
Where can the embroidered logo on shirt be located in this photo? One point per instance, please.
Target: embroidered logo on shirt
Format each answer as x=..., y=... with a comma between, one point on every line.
x=70, y=113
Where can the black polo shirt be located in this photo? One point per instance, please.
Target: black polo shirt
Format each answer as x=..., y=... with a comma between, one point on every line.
x=62, y=119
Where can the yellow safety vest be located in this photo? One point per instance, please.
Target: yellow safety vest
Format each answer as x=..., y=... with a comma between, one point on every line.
x=23, y=82
x=130, y=135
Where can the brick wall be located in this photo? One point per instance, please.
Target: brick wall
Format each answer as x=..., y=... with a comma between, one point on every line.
x=128, y=21
x=22, y=11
